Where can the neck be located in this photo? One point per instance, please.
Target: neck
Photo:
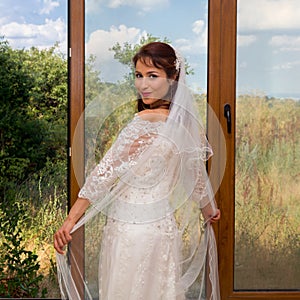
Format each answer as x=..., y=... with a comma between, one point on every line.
x=161, y=104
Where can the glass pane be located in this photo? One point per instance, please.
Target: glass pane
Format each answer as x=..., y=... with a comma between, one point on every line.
x=110, y=97
x=267, y=197
x=33, y=139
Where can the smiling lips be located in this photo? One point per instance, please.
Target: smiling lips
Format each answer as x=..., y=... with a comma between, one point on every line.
x=146, y=94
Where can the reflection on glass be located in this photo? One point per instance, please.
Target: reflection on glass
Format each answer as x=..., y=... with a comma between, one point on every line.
x=267, y=196
x=113, y=33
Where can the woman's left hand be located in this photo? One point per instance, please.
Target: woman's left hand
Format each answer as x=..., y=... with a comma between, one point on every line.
x=216, y=217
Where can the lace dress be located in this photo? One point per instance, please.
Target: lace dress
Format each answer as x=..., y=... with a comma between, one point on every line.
x=141, y=248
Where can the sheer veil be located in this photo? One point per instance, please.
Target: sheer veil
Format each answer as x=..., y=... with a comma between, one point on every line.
x=173, y=158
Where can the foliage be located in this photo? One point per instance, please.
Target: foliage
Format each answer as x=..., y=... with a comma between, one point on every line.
x=33, y=95
x=18, y=266
x=33, y=135
x=92, y=80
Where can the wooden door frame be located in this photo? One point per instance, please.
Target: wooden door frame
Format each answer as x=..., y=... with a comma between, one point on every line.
x=222, y=33
x=221, y=89
x=76, y=65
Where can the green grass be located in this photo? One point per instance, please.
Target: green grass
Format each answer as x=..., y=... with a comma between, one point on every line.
x=267, y=206
x=43, y=197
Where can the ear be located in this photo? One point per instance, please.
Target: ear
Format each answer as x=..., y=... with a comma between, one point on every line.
x=171, y=80
x=175, y=77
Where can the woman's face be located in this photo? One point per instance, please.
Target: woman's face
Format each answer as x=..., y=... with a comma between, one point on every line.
x=152, y=83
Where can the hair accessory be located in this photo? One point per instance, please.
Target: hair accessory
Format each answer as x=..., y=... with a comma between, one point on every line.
x=178, y=60
x=177, y=64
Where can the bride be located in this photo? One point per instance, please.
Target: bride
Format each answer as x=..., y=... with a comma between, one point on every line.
x=152, y=186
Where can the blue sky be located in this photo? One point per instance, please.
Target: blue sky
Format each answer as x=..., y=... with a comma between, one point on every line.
x=268, y=35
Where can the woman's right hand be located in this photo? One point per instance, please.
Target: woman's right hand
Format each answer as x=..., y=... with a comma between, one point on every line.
x=62, y=236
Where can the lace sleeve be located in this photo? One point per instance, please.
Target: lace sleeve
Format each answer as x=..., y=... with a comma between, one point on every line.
x=100, y=180
x=202, y=193
x=123, y=154
x=106, y=173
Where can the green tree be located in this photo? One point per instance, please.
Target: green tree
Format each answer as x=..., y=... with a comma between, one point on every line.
x=33, y=136
x=33, y=98
x=92, y=80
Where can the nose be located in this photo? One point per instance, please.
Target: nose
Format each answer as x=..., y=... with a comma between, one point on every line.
x=143, y=83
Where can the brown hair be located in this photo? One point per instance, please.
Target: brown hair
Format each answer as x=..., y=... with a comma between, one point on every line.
x=161, y=56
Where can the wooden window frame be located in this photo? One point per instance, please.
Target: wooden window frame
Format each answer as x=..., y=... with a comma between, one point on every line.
x=76, y=65
x=221, y=89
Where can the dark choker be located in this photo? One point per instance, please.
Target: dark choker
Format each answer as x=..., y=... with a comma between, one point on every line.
x=162, y=104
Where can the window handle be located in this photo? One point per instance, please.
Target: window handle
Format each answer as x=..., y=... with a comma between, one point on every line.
x=227, y=115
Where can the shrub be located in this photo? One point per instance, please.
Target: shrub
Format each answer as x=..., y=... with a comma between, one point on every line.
x=18, y=267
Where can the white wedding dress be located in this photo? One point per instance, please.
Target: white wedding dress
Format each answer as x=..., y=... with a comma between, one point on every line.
x=151, y=186
x=141, y=245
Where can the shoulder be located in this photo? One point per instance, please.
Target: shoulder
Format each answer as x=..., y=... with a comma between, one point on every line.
x=154, y=115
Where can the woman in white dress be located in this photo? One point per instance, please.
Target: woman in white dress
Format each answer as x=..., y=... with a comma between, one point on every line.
x=152, y=186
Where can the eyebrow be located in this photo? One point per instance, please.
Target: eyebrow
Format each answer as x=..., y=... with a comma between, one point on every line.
x=150, y=72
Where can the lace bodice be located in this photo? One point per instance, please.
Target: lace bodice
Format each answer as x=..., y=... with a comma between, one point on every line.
x=150, y=174
x=123, y=155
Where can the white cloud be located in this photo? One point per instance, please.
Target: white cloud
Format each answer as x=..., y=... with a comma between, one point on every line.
x=198, y=43
x=100, y=40
x=38, y=35
x=145, y=5
x=49, y=5
x=286, y=42
x=268, y=14
x=287, y=65
x=99, y=43
x=245, y=40
x=183, y=45
x=198, y=26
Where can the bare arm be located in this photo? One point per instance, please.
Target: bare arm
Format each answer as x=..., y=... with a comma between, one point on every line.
x=63, y=236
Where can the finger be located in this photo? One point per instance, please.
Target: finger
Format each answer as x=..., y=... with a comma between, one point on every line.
x=58, y=242
x=68, y=237
x=64, y=236
x=61, y=240
x=57, y=247
x=217, y=217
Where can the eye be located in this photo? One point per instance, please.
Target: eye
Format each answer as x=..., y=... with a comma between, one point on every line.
x=152, y=76
x=138, y=75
